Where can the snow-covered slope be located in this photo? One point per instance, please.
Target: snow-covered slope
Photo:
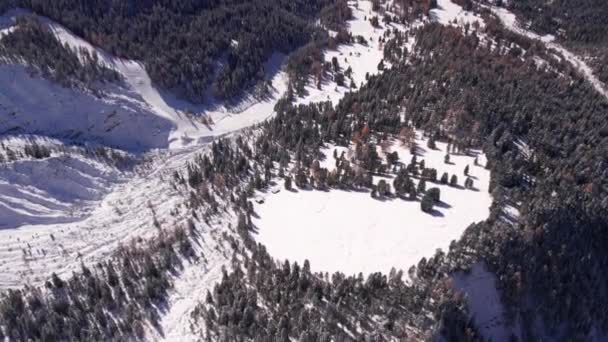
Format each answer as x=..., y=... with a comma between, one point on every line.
x=32, y=104
x=62, y=187
x=448, y=13
x=133, y=115
x=350, y=232
x=362, y=59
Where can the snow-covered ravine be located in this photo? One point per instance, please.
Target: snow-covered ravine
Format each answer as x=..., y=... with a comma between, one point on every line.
x=510, y=21
x=350, y=232
x=133, y=115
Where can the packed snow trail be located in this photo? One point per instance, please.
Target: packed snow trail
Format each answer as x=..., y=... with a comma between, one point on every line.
x=510, y=21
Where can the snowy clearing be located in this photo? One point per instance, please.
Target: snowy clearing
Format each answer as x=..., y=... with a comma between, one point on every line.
x=447, y=12
x=350, y=232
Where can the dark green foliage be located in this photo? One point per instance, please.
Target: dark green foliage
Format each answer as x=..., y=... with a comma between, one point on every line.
x=264, y=300
x=37, y=46
x=435, y=194
x=287, y=183
x=426, y=203
x=109, y=302
x=421, y=186
x=454, y=180
x=580, y=24
x=180, y=42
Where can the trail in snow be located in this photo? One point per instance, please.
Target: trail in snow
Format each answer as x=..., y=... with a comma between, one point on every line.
x=510, y=21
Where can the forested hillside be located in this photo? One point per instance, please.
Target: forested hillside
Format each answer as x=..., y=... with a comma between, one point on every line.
x=474, y=94
x=581, y=24
x=35, y=45
x=191, y=46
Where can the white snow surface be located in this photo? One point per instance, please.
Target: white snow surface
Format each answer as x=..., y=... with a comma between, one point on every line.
x=447, y=12
x=61, y=188
x=350, y=232
x=362, y=59
x=510, y=21
x=479, y=287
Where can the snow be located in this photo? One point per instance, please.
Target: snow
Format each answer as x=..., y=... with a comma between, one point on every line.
x=119, y=114
x=32, y=104
x=447, y=12
x=350, y=232
x=510, y=21
x=479, y=286
x=361, y=59
x=191, y=286
x=28, y=195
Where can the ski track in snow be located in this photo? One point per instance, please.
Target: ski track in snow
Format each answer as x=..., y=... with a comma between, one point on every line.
x=510, y=21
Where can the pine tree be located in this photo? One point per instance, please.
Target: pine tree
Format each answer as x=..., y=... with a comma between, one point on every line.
x=421, y=186
x=426, y=204
x=454, y=180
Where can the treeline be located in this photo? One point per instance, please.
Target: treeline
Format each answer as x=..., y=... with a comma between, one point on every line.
x=192, y=46
x=267, y=301
x=37, y=46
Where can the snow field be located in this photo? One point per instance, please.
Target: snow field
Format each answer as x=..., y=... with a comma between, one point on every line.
x=447, y=11
x=350, y=232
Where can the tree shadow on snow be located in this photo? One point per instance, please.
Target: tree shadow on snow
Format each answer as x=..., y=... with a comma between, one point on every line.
x=436, y=213
x=443, y=205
